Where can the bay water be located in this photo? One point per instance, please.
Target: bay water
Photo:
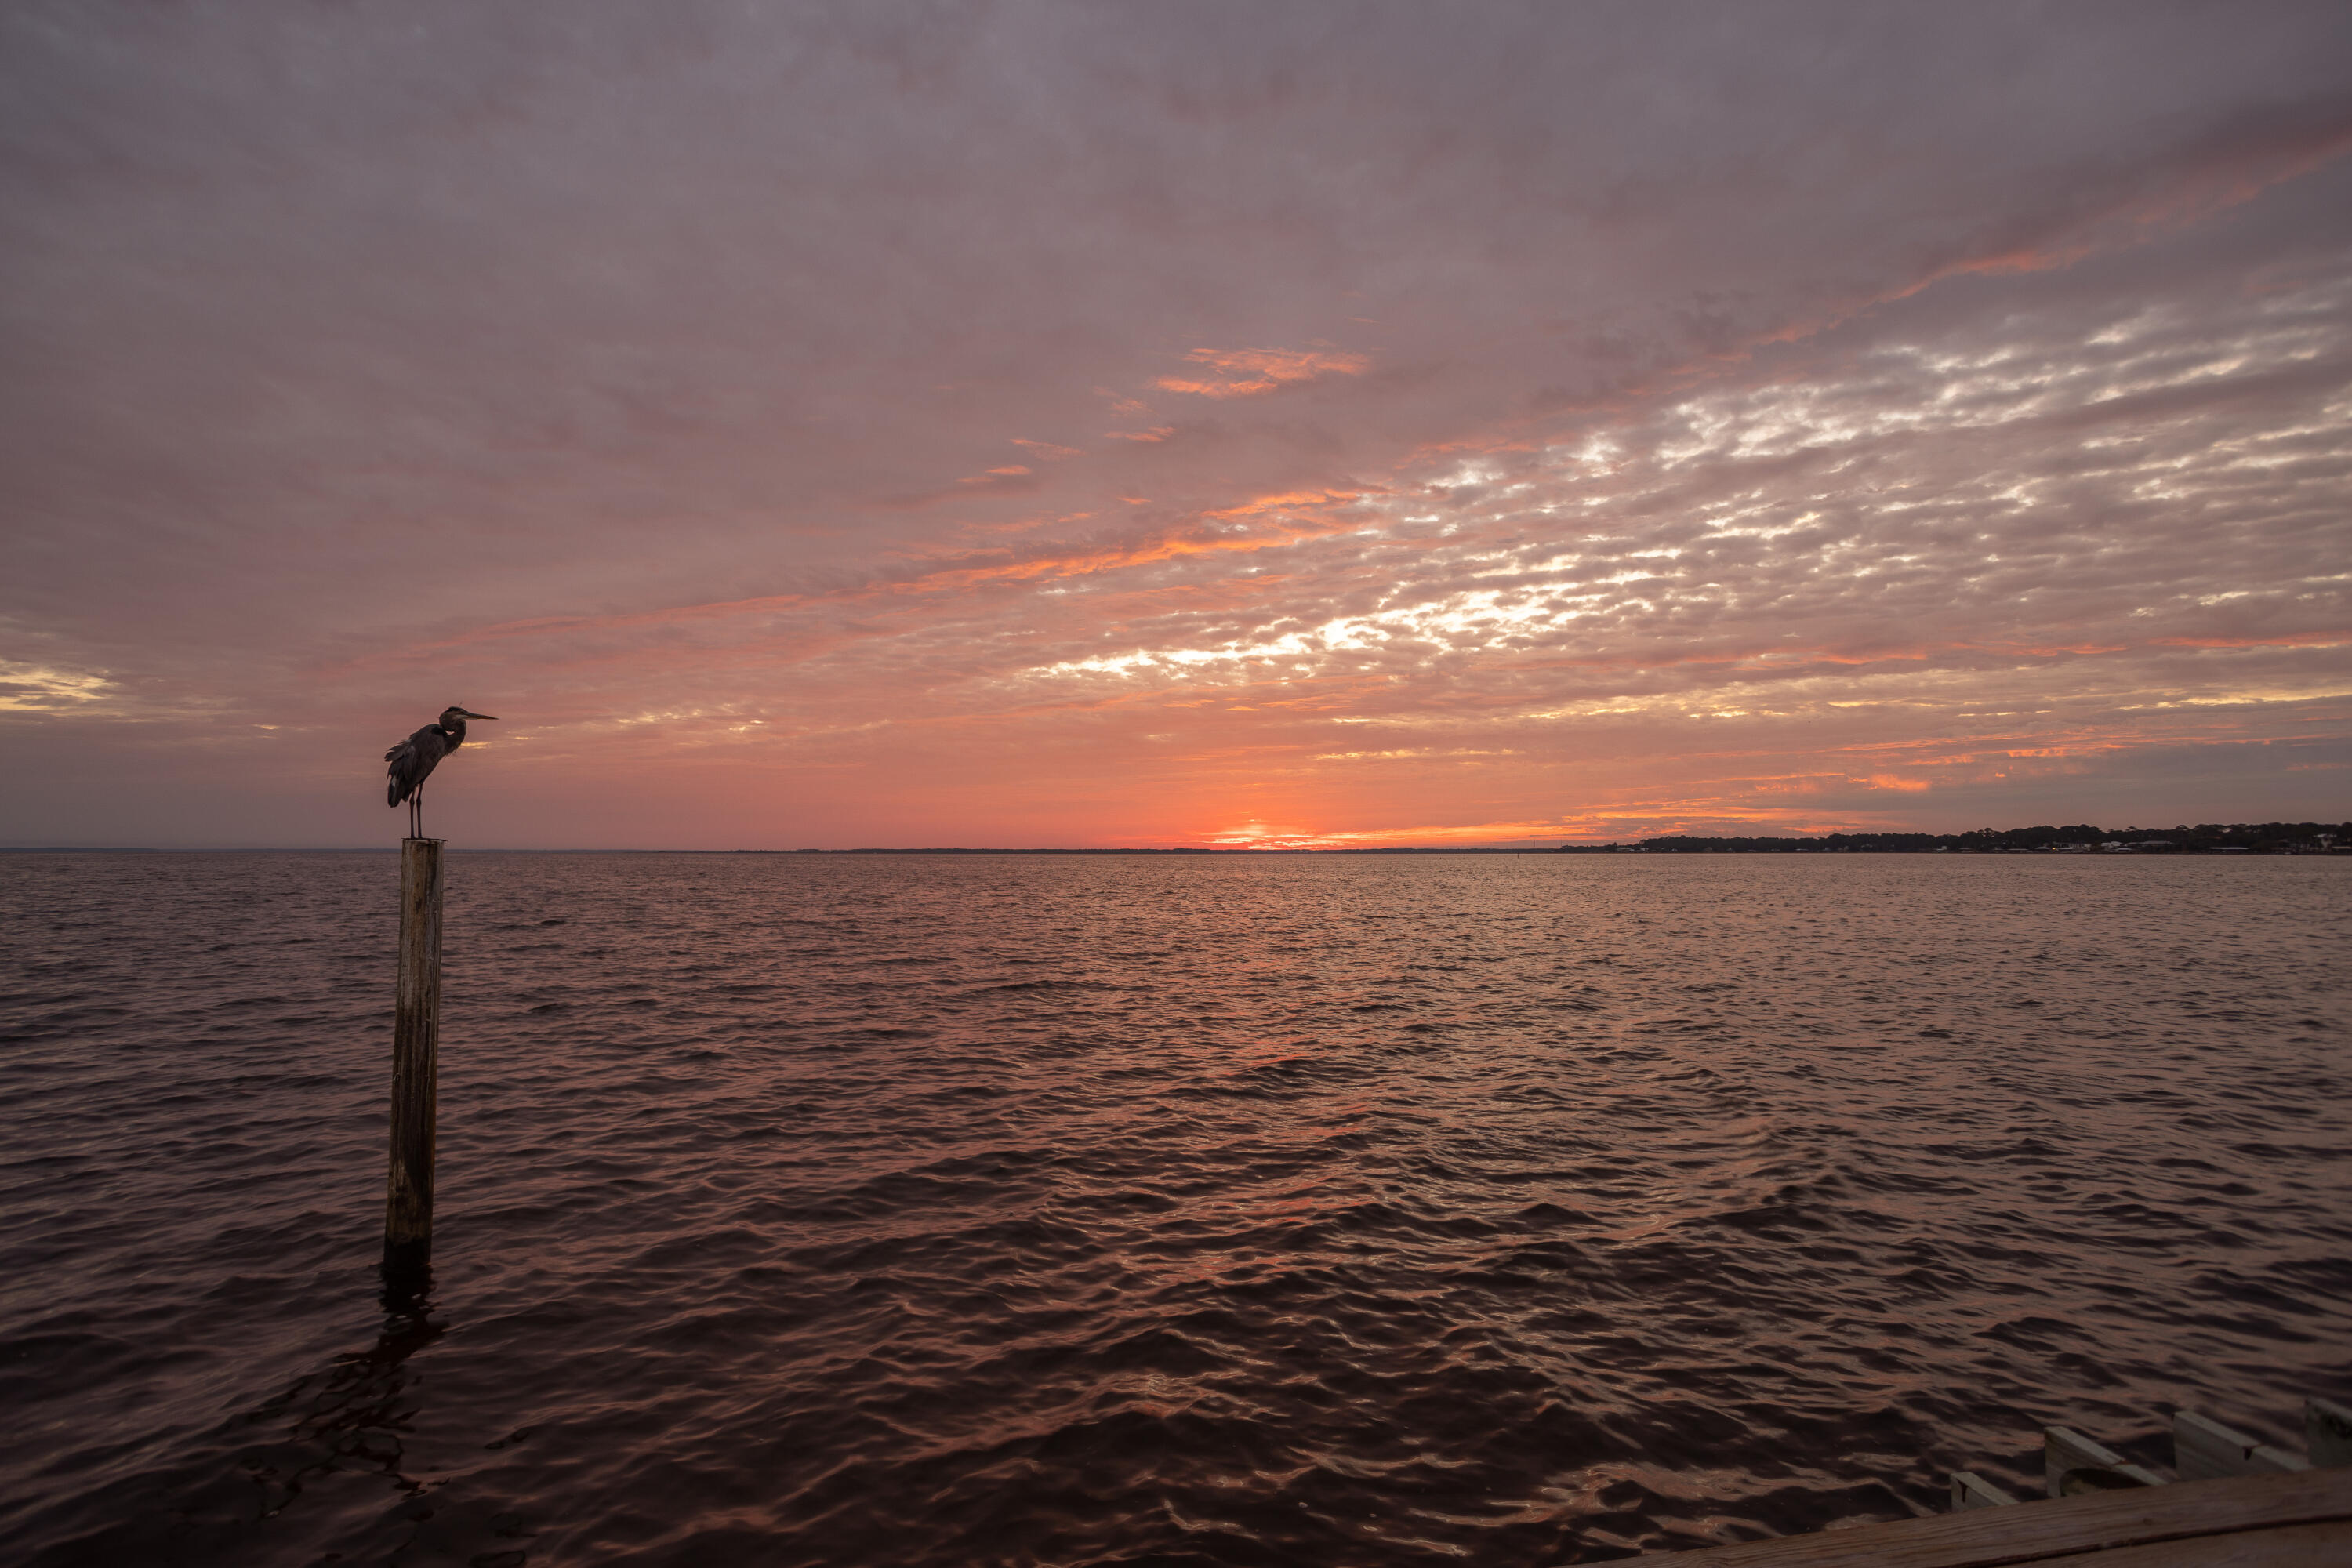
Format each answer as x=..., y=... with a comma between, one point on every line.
x=1149, y=1209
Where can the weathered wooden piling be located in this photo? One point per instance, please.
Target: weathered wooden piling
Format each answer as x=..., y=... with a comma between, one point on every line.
x=2328, y=1427
x=2202, y=1447
x=2073, y=1464
x=416, y=1047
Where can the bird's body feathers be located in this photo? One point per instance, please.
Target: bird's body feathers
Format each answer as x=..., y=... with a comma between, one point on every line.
x=411, y=761
x=416, y=757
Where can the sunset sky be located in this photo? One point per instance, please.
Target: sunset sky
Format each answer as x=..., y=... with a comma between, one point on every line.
x=1172, y=424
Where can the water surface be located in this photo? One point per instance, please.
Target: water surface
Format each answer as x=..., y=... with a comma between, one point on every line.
x=949, y=1210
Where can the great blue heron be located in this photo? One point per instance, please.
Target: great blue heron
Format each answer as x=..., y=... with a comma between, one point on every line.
x=413, y=758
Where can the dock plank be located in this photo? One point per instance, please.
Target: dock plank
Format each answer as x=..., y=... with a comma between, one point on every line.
x=2289, y=1546
x=2199, y=1524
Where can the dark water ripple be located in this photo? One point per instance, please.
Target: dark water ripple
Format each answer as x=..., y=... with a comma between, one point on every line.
x=957, y=1210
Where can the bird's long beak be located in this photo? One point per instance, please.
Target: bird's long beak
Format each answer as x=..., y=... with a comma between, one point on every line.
x=462, y=713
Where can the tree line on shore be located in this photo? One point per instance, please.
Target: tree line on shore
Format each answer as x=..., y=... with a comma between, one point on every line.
x=2209, y=837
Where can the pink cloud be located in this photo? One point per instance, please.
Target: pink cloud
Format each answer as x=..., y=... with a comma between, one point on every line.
x=1251, y=373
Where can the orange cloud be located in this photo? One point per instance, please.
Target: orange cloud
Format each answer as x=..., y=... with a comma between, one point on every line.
x=1277, y=519
x=1010, y=478
x=2223, y=178
x=1251, y=373
x=2291, y=640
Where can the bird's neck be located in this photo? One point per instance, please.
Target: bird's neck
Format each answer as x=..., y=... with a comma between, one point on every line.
x=456, y=730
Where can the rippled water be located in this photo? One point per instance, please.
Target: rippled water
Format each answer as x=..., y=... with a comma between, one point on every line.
x=946, y=1210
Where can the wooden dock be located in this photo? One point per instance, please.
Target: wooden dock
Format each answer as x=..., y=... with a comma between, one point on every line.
x=2299, y=1520
x=2241, y=1503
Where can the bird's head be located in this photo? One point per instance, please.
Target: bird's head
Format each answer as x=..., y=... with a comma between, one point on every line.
x=461, y=715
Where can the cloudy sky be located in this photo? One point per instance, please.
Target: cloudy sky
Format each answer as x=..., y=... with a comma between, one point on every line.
x=1019, y=424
